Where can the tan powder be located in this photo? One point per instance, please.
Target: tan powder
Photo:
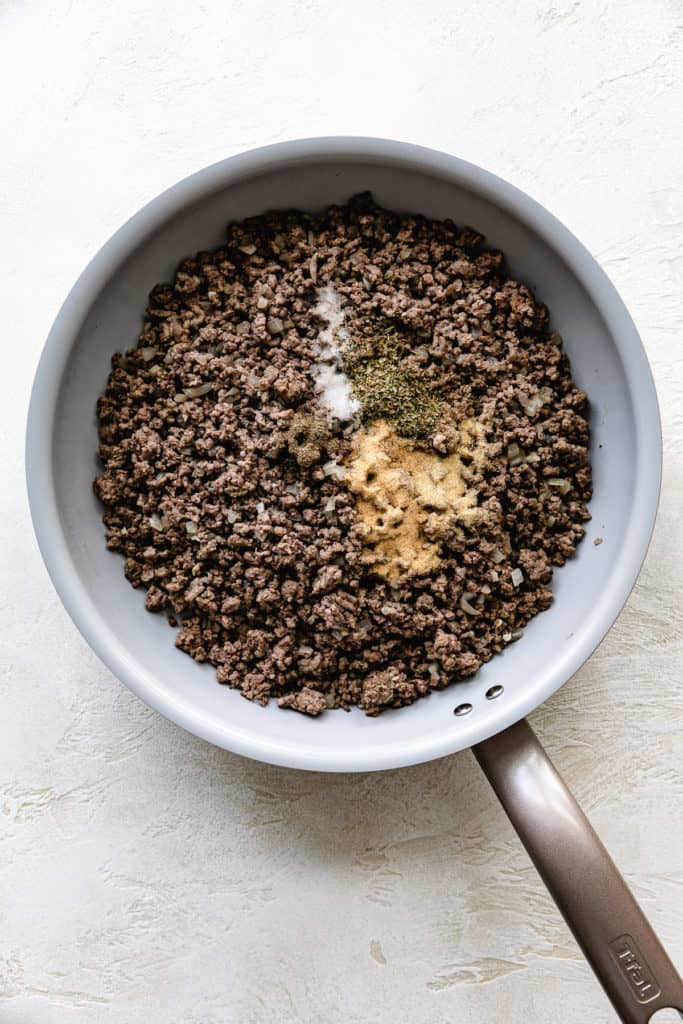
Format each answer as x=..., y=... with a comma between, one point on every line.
x=408, y=499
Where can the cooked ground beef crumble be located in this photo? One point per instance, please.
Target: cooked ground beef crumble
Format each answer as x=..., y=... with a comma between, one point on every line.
x=225, y=487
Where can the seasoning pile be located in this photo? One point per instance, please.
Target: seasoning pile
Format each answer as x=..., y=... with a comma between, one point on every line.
x=344, y=457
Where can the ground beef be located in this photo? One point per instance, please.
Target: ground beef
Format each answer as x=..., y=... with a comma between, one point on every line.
x=216, y=476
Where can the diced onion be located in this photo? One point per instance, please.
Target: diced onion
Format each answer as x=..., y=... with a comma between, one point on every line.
x=466, y=606
x=563, y=485
x=334, y=469
x=532, y=404
x=198, y=391
x=515, y=455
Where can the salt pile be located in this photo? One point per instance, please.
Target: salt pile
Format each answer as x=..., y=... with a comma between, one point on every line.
x=332, y=384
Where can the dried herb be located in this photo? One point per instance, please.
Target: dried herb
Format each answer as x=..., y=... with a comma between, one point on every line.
x=387, y=390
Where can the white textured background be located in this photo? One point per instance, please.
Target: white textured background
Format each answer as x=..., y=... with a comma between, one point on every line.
x=145, y=876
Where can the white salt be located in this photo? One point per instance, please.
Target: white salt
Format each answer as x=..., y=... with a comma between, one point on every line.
x=332, y=384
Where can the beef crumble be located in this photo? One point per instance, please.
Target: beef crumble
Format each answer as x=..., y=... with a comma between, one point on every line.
x=225, y=487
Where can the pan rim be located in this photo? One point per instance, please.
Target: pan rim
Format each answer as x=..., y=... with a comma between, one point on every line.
x=46, y=516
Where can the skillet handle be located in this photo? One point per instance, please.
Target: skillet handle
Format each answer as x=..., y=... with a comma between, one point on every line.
x=596, y=903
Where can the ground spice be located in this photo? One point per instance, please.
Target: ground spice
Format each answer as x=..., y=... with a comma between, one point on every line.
x=409, y=499
x=307, y=439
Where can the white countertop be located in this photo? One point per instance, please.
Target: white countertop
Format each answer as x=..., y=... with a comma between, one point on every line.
x=145, y=876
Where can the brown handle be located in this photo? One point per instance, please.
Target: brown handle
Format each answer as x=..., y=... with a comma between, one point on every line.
x=596, y=903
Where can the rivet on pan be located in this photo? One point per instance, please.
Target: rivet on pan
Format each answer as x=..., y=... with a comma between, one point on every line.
x=462, y=709
x=494, y=691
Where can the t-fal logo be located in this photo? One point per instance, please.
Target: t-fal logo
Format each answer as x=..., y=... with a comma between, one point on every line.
x=634, y=968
